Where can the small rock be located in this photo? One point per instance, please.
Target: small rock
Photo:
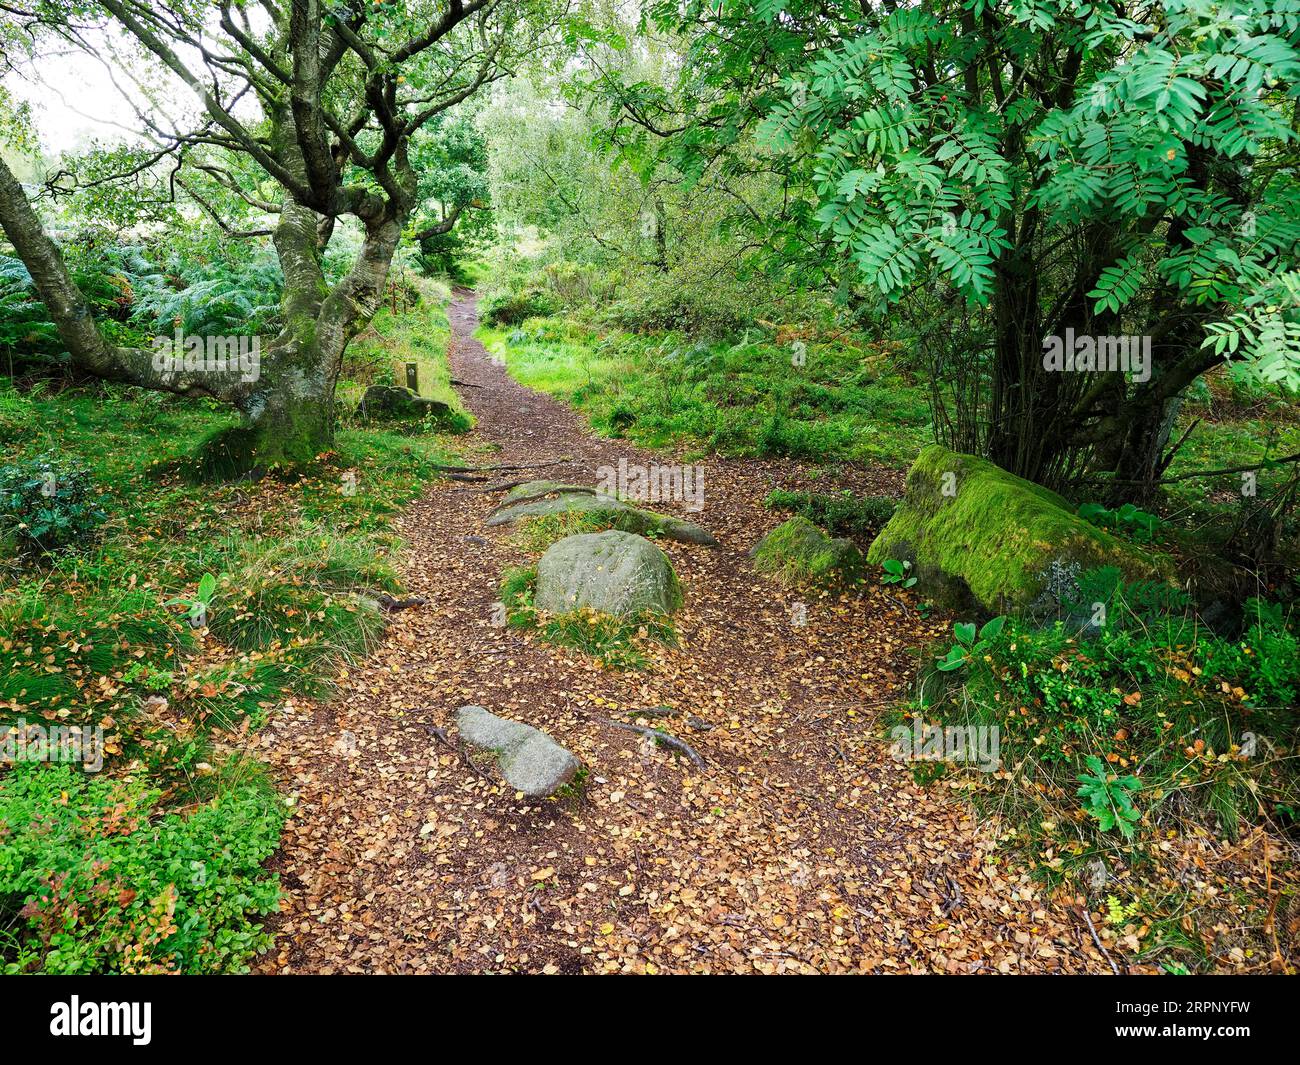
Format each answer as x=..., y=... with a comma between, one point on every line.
x=529, y=759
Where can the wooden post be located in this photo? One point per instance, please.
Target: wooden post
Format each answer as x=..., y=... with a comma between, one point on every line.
x=412, y=377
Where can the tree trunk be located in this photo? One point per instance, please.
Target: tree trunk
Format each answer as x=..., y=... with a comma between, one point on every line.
x=288, y=407
x=1137, y=463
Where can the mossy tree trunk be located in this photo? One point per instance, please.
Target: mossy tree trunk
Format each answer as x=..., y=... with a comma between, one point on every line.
x=323, y=76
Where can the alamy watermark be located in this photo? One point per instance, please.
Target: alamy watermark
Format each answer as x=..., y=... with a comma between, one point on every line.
x=652, y=484
x=1085, y=353
x=77, y=1018
x=178, y=353
x=22, y=742
x=980, y=745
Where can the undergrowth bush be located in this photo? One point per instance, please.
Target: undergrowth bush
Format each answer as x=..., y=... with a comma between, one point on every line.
x=514, y=308
x=1206, y=726
x=94, y=879
x=48, y=504
x=840, y=514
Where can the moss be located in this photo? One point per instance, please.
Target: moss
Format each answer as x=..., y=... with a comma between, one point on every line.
x=797, y=553
x=589, y=511
x=970, y=528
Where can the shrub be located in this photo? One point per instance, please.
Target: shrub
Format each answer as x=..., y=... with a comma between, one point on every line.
x=1199, y=722
x=514, y=308
x=48, y=504
x=841, y=514
x=93, y=879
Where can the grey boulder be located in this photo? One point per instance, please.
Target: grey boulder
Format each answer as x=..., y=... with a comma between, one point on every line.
x=529, y=759
x=611, y=572
x=541, y=498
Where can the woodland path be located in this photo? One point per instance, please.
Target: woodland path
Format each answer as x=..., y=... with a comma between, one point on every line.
x=803, y=847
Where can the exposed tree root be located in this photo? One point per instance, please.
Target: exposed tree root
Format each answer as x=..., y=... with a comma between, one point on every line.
x=659, y=737
x=502, y=466
x=390, y=605
x=565, y=489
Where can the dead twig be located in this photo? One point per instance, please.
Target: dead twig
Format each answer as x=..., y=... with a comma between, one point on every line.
x=953, y=899
x=1097, y=939
x=667, y=739
x=500, y=466
x=442, y=736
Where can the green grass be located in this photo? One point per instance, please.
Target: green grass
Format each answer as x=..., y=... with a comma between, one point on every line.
x=296, y=560
x=734, y=399
x=92, y=635
x=1231, y=424
x=397, y=337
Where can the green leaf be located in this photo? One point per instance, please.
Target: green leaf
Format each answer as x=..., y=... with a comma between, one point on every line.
x=207, y=585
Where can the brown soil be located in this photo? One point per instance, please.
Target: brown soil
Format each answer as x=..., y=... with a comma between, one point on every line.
x=803, y=847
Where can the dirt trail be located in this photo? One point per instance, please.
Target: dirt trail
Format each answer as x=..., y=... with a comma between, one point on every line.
x=804, y=847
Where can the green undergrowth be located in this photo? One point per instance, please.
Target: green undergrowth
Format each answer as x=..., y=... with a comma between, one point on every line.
x=747, y=396
x=840, y=513
x=1117, y=742
x=96, y=876
x=176, y=626
x=617, y=642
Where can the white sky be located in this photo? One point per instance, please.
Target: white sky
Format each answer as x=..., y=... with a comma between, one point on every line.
x=74, y=101
x=74, y=98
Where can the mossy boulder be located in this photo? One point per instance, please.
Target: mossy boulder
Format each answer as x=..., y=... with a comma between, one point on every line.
x=798, y=553
x=610, y=572
x=973, y=531
x=391, y=402
x=542, y=498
